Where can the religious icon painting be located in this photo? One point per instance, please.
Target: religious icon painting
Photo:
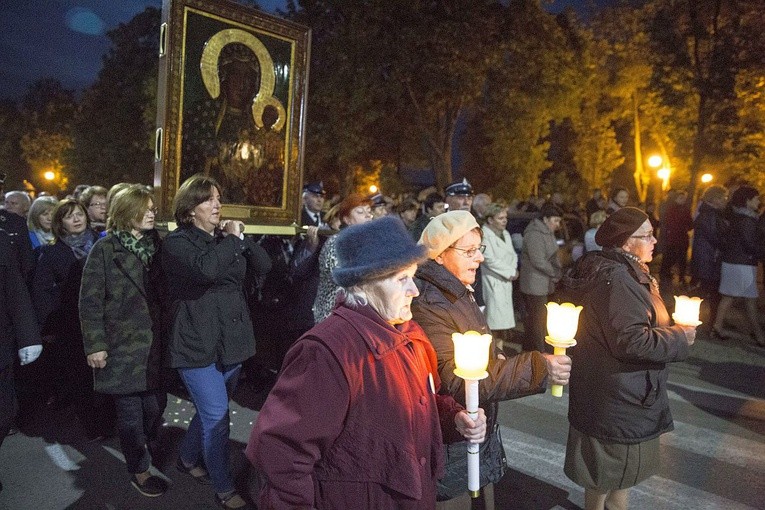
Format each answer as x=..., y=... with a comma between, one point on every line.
x=231, y=105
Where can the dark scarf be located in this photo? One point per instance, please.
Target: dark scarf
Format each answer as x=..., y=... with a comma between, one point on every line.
x=143, y=248
x=80, y=243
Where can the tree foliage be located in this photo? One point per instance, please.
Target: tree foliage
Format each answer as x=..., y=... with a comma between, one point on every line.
x=114, y=132
x=47, y=111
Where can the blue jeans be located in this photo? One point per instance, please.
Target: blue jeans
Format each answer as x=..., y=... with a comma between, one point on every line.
x=139, y=420
x=206, y=440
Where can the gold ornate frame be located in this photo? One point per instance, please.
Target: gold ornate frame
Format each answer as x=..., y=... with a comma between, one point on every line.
x=193, y=34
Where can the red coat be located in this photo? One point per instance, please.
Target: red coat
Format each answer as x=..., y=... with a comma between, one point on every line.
x=353, y=421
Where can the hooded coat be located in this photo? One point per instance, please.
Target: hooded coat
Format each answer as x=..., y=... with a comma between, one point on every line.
x=618, y=386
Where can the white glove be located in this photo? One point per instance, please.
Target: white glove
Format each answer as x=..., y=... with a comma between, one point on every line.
x=30, y=353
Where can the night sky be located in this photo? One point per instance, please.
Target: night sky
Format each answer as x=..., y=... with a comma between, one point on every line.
x=66, y=39
x=62, y=39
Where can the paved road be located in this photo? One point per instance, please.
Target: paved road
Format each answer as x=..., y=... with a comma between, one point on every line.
x=715, y=458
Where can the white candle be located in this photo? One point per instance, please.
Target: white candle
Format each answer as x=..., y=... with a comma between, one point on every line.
x=471, y=357
x=687, y=310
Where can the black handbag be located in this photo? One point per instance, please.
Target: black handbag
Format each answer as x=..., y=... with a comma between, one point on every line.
x=493, y=465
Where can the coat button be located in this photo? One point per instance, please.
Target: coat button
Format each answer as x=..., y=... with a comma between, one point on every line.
x=424, y=400
x=423, y=461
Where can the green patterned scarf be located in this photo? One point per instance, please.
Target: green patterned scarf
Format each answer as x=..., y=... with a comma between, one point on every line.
x=143, y=248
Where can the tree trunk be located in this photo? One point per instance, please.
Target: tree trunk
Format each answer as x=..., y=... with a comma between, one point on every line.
x=639, y=175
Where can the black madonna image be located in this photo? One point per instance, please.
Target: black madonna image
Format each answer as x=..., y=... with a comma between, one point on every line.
x=234, y=112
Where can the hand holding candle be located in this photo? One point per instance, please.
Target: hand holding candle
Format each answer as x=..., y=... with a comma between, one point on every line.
x=562, y=322
x=471, y=356
x=687, y=310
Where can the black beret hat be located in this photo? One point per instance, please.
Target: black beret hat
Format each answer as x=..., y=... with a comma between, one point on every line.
x=374, y=250
x=619, y=226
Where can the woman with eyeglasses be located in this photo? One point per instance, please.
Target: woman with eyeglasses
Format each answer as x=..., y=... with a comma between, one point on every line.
x=446, y=305
x=353, y=210
x=540, y=270
x=120, y=313
x=618, y=403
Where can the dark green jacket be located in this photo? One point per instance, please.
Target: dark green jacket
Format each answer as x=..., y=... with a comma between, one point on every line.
x=120, y=313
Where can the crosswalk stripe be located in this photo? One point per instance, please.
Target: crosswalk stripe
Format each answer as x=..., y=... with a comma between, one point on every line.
x=543, y=460
x=64, y=457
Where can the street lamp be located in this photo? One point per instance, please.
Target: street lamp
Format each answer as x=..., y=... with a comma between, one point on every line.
x=373, y=189
x=655, y=161
x=663, y=174
x=49, y=175
x=707, y=178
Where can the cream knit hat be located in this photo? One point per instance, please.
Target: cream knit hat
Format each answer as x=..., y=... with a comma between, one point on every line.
x=445, y=229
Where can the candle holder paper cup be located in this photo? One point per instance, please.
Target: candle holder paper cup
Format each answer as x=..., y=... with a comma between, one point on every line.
x=687, y=311
x=562, y=323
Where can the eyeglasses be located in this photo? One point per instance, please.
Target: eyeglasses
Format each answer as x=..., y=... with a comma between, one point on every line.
x=646, y=237
x=469, y=252
x=152, y=210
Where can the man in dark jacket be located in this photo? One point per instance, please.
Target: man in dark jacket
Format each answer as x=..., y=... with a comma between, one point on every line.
x=19, y=334
x=446, y=305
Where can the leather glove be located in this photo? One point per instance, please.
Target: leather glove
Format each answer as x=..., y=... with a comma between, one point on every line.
x=30, y=353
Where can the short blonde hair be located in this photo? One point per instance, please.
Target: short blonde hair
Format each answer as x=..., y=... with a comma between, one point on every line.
x=40, y=206
x=128, y=206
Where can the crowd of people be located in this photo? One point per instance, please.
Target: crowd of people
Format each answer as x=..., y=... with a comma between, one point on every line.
x=350, y=322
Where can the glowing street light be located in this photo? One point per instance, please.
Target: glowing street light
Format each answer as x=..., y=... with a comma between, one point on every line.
x=49, y=175
x=655, y=161
x=373, y=189
x=664, y=174
x=706, y=178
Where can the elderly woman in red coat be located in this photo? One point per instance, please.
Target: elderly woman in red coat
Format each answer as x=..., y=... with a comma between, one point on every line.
x=356, y=419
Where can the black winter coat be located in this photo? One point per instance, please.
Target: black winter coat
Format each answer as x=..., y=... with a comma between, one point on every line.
x=209, y=312
x=445, y=306
x=708, y=231
x=56, y=282
x=618, y=386
x=743, y=244
x=18, y=324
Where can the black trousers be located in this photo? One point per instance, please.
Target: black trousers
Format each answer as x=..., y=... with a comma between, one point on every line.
x=139, y=420
x=535, y=323
x=8, y=405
